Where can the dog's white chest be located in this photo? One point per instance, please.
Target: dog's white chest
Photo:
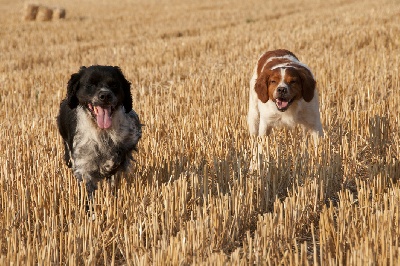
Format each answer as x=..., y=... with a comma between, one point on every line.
x=276, y=118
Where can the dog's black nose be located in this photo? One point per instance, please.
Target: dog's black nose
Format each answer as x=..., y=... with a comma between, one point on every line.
x=282, y=90
x=105, y=96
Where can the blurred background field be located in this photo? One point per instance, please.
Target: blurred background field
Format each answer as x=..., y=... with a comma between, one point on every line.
x=190, y=197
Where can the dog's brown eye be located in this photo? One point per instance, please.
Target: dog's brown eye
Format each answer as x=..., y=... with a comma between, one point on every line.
x=272, y=82
x=293, y=82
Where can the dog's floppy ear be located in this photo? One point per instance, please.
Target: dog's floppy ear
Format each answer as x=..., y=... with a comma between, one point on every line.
x=126, y=87
x=72, y=88
x=308, y=83
x=261, y=87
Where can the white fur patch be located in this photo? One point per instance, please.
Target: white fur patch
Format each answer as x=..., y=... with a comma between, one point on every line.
x=294, y=63
x=282, y=82
x=289, y=57
x=282, y=65
x=95, y=148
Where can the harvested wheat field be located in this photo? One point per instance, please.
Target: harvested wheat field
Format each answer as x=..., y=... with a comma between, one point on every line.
x=190, y=198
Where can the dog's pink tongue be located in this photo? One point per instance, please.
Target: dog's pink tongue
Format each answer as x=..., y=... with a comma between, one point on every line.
x=103, y=117
x=281, y=104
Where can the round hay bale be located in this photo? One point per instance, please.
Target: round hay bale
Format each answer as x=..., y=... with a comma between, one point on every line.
x=44, y=13
x=59, y=13
x=30, y=12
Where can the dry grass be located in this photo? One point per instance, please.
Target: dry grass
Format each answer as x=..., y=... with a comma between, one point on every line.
x=190, y=198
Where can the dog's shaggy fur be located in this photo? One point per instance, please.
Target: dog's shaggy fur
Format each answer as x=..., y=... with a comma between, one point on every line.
x=97, y=124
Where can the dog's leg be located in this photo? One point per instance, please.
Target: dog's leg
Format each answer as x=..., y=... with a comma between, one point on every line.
x=256, y=158
x=316, y=133
x=89, y=200
x=254, y=161
x=264, y=129
x=253, y=116
x=83, y=198
x=112, y=182
x=90, y=188
x=90, y=185
x=311, y=121
x=253, y=122
x=67, y=155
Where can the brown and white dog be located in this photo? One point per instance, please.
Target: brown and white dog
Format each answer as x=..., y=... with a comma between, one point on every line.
x=283, y=94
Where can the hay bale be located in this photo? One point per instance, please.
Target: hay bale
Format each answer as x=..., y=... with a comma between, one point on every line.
x=44, y=13
x=30, y=12
x=59, y=13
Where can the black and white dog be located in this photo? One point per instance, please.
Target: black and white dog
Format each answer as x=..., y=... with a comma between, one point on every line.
x=97, y=124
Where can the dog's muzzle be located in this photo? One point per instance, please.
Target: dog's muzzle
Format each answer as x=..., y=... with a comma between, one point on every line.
x=102, y=108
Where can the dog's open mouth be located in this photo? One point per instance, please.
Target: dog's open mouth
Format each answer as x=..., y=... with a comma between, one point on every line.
x=283, y=104
x=102, y=115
